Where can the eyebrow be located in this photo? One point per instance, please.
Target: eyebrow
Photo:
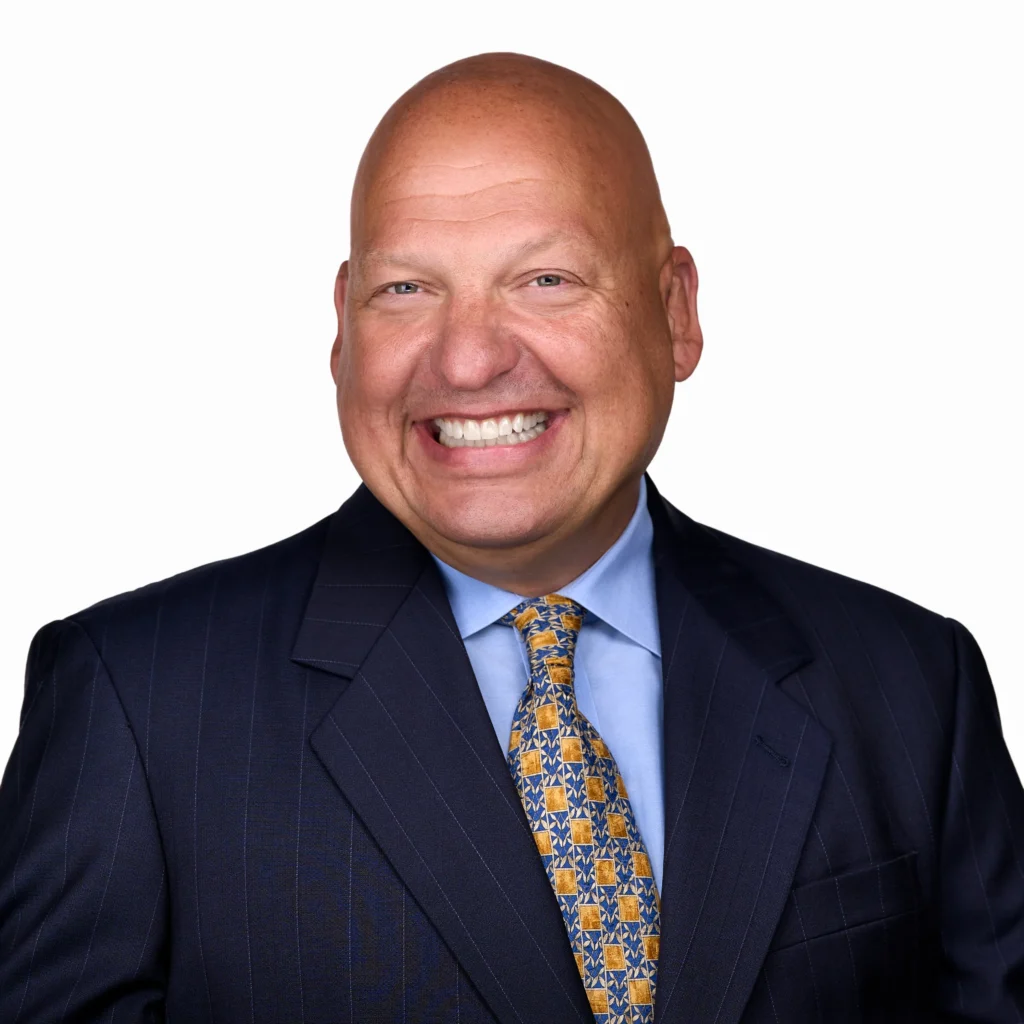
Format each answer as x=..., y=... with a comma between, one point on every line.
x=370, y=258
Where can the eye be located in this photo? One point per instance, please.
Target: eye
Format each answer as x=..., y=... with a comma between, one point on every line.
x=403, y=288
x=547, y=280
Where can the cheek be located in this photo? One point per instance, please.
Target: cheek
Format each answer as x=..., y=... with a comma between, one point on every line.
x=609, y=359
x=621, y=368
x=374, y=370
x=371, y=389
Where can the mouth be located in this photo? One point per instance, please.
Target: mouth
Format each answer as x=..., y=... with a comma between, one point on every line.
x=514, y=428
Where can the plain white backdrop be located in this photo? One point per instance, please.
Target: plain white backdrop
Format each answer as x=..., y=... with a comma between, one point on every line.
x=173, y=209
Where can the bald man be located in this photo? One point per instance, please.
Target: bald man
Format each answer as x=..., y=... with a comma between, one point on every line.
x=508, y=737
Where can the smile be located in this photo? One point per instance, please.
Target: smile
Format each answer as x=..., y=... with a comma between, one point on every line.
x=508, y=430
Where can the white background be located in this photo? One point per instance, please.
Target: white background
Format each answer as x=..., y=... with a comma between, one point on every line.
x=173, y=208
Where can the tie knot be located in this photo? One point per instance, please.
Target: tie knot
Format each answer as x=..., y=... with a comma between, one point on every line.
x=549, y=625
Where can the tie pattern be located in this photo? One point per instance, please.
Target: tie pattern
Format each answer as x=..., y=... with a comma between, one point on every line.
x=582, y=822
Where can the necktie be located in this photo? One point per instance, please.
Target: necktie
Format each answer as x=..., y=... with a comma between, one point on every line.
x=581, y=819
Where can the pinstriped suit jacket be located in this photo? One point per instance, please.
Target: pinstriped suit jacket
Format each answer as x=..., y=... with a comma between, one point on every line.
x=268, y=790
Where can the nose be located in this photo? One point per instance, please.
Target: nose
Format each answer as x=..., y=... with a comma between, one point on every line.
x=473, y=347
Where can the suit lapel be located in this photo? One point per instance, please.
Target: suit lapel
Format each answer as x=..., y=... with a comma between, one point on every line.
x=743, y=767
x=410, y=745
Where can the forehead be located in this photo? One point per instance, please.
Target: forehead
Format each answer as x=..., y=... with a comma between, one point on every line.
x=465, y=180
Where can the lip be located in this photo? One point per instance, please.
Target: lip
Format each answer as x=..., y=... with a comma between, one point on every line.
x=493, y=458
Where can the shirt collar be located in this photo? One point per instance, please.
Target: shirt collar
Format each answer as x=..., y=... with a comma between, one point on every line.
x=618, y=588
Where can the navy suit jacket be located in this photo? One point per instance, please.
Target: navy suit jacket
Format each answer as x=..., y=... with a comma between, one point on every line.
x=269, y=790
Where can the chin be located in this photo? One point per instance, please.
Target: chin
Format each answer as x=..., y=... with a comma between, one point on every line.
x=491, y=521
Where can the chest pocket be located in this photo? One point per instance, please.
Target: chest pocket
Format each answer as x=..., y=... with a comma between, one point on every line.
x=850, y=899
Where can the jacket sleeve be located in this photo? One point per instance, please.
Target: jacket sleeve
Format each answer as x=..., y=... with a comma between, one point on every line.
x=981, y=857
x=83, y=894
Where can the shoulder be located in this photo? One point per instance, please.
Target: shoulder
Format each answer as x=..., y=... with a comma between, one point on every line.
x=842, y=614
x=281, y=573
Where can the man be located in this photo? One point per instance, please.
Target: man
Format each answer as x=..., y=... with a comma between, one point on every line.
x=508, y=737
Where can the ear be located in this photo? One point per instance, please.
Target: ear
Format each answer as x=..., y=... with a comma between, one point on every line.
x=679, y=294
x=340, y=285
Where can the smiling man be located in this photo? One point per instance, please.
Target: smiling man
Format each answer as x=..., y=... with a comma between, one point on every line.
x=508, y=737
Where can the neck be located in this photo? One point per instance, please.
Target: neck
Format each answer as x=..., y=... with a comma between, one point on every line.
x=548, y=564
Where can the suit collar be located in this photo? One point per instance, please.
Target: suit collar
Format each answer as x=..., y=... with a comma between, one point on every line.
x=369, y=564
x=692, y=563
x=410, y=745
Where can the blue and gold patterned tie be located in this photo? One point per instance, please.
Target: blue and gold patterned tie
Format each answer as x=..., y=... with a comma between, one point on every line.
x=580, y=815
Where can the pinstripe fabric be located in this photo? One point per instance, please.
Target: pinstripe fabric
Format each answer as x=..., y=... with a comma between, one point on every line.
x=221, y=877
x=268, y=790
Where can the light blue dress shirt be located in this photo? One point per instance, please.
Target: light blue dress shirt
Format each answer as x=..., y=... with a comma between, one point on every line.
x=618, y=662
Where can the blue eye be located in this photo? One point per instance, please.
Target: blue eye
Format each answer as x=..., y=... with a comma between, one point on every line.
x=403, y=288
x=548, y=280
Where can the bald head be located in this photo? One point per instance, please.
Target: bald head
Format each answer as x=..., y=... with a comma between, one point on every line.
x=512, y=319
x=516, y=109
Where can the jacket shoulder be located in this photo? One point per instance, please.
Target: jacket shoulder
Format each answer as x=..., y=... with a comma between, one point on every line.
x=290, y=564
x=812, y=594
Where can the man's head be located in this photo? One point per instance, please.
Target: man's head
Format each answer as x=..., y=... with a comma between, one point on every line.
x=510, y=256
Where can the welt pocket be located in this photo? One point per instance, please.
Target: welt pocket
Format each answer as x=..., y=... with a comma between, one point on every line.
x=849, y=899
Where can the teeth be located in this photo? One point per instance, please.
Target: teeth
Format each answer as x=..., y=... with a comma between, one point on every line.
x=504, y=431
